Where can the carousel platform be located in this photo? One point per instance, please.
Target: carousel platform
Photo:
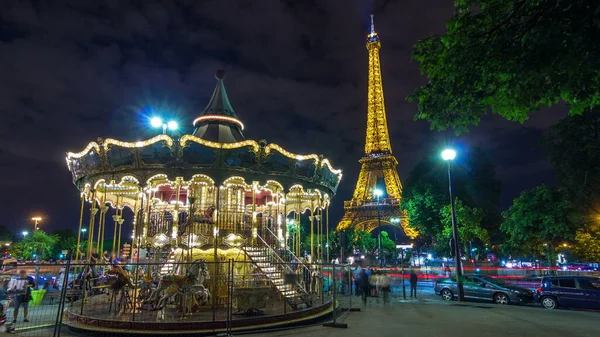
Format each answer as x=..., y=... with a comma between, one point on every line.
x=96, y=318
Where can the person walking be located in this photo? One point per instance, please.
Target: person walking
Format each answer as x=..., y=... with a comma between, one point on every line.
x=413, y=284
x=363, y=283
x=356, y=278
x=384, y=286
x=21, y=289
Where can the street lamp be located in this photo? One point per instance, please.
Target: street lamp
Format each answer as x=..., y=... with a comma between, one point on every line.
x=448, y=155
x=36, y=220
x=157, y=122
x=24, y=233
x=378, y=193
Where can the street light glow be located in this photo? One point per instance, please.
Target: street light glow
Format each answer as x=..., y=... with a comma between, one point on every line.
x=36, y=218
x=83, y=230
x=156, y=122
x=448, y=154
x=25, y=233
x=377, y=192
x=172, y=125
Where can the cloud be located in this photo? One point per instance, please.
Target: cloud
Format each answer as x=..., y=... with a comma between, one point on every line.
x=77, y=70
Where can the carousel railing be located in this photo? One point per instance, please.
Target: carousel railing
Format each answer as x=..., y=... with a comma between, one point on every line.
x=291, y=254
x=281, y=261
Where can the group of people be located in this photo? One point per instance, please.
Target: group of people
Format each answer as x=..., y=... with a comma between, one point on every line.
x=369, y=282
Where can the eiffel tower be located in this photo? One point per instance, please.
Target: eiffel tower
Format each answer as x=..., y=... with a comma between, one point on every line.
x=378, y=166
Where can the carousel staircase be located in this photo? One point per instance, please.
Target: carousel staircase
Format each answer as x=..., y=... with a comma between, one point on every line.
x=169, y=265
x=273, y=267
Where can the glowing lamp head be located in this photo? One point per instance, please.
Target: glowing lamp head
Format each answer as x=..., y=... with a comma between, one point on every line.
x=25, y=233
x=377, y=192
x=156, y=122
x=448, y=154
x=172, y=125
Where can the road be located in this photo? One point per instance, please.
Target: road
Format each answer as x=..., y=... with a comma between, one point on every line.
x=426, y=316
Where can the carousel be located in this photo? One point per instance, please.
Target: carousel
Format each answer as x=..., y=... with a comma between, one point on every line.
x=216, y=238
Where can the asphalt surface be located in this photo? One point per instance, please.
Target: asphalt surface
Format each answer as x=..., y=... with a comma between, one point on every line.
x=428, y=315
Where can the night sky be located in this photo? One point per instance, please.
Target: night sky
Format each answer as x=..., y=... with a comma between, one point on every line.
x=72, y=71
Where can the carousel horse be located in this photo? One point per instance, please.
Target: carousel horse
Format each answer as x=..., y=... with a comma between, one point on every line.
x=119, y=281
x=207, y=217
x=173, y=285
x=199, y=297
x=146, y=286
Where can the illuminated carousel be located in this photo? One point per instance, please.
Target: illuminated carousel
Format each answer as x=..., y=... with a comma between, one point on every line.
x=215, y=221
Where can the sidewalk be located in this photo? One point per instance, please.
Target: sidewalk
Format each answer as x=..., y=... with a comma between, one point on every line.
x=451, y=319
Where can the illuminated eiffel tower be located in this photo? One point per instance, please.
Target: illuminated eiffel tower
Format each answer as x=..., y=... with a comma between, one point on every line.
x=378, y=170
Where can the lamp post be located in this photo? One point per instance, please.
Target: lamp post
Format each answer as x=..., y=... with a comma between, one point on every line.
x=448, y=155
x=378, y=193
x=36, y=221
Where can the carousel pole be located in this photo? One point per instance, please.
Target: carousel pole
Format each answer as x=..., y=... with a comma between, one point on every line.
x=101, y=221
x=311, y=218
x=320, y=235
x=215, y=253
x=79, y=231
x=285, y=229
x=327, y=227
x=175, y=229
x=93, y=212
x=99, y=228
x=121, y=220
x=253, y=212
x=299, y=227
x=116, y=224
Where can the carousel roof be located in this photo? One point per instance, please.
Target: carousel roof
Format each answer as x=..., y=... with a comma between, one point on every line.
x=216, y=148
x=218, y=122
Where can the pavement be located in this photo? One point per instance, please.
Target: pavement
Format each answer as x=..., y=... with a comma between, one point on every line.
x=427, y=316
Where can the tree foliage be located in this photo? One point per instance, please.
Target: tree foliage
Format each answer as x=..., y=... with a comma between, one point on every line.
x=509, y=57
x=469, y=221
x=425, y=193
x=540, y=216
x=587, y=244
x=38, y=242
x=573, y=146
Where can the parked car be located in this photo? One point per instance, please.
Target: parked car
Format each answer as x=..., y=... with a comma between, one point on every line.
x=569, y=292
x=484, y=288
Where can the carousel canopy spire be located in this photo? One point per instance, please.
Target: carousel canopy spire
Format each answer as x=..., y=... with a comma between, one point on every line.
x=218, y=122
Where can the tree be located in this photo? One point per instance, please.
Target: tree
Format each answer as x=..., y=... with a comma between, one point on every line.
x=509, y=57
x=38, y=242
x=42, y=245
x=67, y=240
x=538, y=220
x=5, y=234
x=387, y=245
x=426, y=192
x=587, y=244
x=573, y=146
x=17, y=250
x=469, y=222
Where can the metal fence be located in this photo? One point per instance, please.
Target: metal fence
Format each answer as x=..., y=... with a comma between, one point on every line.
x=206, y=297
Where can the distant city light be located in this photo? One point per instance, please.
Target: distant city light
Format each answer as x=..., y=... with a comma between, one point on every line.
x=377, y=192
x=172, y=125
